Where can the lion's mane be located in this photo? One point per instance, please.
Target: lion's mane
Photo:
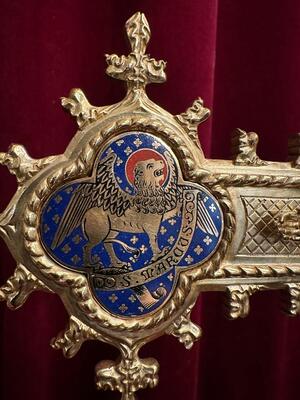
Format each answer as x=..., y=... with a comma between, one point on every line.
x=155, y=199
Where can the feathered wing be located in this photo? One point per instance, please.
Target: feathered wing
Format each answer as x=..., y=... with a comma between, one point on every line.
x=172, y=191
x=74, y=213
x=105, y=193
x=204, y=220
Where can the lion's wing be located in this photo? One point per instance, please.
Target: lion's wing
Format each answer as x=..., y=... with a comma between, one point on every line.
x=80, y=202
x=204, y=220
x=172, y=191
x=107, y=192
x=104, y=193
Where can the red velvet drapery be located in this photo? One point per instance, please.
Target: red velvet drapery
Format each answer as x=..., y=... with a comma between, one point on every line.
x=243, y=58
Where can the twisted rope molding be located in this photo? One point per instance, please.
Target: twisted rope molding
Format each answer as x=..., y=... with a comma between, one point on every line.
x=251, y=180
x=257, y=271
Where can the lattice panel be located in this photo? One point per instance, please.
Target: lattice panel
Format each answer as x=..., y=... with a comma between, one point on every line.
x=262, y=236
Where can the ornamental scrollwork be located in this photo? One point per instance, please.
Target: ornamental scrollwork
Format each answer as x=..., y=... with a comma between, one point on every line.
x=20, y=164
x=19, y=286
x=238, y=296
x=127, y=376
x=185, y=330
x=192, y=117
x=71, y=339
x=78, y=106
x=244, y=146
x=292, y=299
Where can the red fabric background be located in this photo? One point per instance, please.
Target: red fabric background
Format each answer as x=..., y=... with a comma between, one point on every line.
x=243, y=58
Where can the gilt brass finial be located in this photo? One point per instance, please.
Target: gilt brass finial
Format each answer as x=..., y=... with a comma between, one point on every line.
x=137, y=69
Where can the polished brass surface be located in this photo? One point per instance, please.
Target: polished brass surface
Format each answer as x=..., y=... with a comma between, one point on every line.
x=256, y=241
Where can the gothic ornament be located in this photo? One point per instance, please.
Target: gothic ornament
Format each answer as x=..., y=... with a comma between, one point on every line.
x=131, y=223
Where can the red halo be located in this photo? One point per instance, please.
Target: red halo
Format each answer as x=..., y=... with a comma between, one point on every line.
x=143, y=155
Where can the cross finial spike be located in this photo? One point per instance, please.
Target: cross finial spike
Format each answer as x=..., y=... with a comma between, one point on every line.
x=138, y=32
x=137, y=69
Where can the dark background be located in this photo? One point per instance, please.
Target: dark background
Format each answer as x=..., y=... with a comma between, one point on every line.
x=243, y=58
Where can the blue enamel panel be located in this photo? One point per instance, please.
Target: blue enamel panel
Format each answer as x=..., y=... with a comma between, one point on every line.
x=126, y=277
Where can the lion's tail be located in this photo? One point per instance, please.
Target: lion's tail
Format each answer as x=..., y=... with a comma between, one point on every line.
x=124, y=245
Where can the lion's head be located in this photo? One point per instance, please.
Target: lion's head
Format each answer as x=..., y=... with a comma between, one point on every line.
x=149, y=172
x=151, y=196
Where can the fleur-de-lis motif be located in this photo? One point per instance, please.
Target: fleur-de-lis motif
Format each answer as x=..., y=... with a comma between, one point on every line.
x=138, y=69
